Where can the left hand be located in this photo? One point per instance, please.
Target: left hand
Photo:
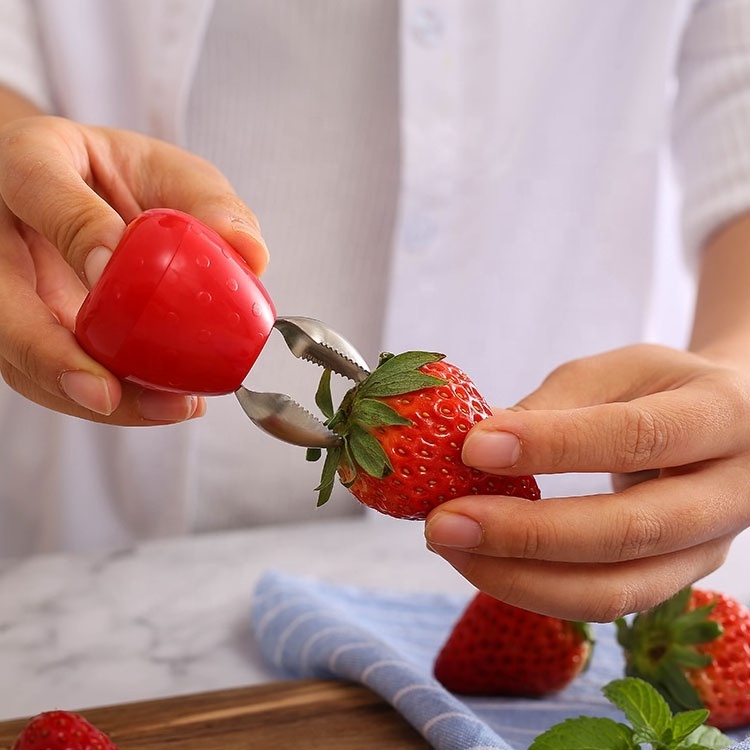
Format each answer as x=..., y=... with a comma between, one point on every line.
x=66, y=192
x=674, y=429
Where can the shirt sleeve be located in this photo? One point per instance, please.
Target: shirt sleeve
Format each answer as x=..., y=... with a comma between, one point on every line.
x=21, y=59
x=712, y=118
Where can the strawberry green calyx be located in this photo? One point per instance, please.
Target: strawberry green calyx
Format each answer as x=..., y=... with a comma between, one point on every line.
x=659, y=647
x=361, y=412
x=586, y=634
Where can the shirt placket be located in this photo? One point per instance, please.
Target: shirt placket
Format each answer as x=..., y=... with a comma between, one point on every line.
x=175, y=44
x=430, y=143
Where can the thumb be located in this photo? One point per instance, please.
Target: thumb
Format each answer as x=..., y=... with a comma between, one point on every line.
x=78, y=187
x=47, y=177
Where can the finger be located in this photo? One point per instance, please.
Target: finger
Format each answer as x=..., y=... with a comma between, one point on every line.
x=621, y=482
x=59, y=180
x=41, y=360
x=589, y=593
x=186, y=182
x=617, y=375
x=669, y=428
x=45, y=181
x=55, y=282
x=78, y=187
x=34, y=346
x=653, y=518
x=136, y=407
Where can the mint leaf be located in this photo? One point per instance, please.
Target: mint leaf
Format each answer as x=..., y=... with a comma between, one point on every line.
x=642, y=705
x=653, y=725
x=709, y=738
x=586, y=733
x=687, y=722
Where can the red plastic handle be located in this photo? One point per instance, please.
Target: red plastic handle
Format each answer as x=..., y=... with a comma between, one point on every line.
x=176, y=309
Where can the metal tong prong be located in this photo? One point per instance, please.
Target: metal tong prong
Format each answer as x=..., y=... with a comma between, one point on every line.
x=310, y=339
x=280, y=415
x=285, y=419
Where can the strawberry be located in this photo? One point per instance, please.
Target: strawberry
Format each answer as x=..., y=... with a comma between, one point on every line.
x=61, y=730
x=403, y=428
x=498, y=649
x=695, y=649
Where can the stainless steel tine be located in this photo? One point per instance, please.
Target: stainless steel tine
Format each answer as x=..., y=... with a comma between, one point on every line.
x=285, y=419
x=310, y=339
x=281, y=416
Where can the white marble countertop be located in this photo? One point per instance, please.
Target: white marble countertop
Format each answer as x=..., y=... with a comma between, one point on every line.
x=171, y=617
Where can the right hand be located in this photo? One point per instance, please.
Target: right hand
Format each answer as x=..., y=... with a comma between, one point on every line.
x=67, y=192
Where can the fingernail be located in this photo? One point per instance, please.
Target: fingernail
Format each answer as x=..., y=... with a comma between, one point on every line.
x=251, y=230
x=453, y=530
x=486, y=449
x=156, y=406
x=96, y=261
x=87, y=390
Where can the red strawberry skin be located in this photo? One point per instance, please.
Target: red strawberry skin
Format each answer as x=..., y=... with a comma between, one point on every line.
x=426, y=455
x=498, y=649
x=61, y=730
x=724, y=685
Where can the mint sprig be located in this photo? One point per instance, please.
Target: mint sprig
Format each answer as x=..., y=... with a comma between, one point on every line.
x=651, y=724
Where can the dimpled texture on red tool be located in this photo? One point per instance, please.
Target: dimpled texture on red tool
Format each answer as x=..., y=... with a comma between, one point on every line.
x=176, y=309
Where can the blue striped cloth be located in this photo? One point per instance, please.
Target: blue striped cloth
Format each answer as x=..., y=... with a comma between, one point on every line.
x=388, y=641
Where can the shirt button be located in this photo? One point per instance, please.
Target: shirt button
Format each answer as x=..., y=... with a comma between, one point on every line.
x=427, y=26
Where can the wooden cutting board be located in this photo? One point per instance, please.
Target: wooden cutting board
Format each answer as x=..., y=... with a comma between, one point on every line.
x=300, y=714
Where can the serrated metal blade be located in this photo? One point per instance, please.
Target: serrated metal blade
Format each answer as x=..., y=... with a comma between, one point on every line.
x=314, y=341
x=285, y=419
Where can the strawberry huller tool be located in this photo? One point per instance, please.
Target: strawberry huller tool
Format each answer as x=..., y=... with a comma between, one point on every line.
x=178, y=309
x=279, y=414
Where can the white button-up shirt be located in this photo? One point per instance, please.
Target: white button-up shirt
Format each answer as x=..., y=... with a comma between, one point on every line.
x=537, y=215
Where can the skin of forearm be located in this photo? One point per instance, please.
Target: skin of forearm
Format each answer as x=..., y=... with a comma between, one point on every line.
x=721, y=328
x=14, y=106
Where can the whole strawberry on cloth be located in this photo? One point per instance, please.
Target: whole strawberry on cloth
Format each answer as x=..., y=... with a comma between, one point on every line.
x=61, y=730
x=498, y=649
x=695, y=650
x=403, y=428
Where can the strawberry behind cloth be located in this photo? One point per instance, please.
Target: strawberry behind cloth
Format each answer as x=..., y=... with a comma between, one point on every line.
x=309, y=628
